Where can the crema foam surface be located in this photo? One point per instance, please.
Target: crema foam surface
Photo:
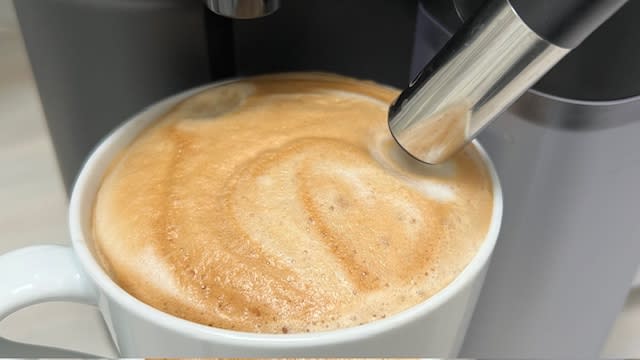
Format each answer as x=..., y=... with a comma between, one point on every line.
x=281, y=204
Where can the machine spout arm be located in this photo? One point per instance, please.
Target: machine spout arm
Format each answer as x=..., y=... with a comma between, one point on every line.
x=495, y=57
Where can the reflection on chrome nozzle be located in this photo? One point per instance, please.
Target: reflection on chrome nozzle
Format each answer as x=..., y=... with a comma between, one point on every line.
x=486, y=66
x=438, y=137
x=243, y=9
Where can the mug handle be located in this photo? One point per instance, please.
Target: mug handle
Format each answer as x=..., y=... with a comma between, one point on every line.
x=38, y=274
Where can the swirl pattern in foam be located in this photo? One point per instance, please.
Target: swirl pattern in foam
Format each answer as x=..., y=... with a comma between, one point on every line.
x=281, y=204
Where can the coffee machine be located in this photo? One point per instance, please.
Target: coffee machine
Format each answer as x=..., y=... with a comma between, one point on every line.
x=566, y=151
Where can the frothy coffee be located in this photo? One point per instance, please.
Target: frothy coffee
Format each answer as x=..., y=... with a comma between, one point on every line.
x=281, y=204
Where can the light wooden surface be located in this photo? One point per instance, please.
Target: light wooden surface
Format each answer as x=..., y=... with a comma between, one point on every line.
x=33, y=211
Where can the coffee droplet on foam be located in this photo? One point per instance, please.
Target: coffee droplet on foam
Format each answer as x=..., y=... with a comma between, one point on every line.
x=279, y=204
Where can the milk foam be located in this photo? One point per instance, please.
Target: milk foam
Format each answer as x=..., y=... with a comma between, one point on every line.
x=279, y=204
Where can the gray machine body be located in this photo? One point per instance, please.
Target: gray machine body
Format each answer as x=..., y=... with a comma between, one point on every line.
x=569, y=163
x=570, y=241
x=98, y=62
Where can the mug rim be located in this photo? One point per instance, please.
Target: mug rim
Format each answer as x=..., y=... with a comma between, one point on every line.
x=81, y=195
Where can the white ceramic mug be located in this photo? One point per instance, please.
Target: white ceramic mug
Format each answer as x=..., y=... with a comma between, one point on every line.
x=38, y=274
